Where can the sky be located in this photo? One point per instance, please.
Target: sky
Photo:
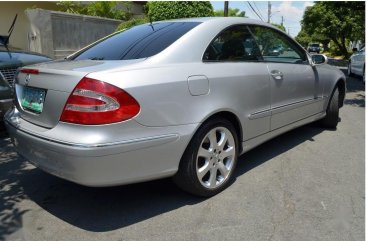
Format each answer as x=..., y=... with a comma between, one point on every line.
x=292, y=11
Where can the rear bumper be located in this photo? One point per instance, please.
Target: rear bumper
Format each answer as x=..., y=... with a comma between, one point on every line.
x=103, y=164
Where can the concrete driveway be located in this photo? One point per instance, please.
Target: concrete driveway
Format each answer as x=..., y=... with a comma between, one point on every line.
x=308, y=184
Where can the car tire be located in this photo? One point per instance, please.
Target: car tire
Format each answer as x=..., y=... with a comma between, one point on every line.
x=332, y=114
x=208, y=163
x=349, y=71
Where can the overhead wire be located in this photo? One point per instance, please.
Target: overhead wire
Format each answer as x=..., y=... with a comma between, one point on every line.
x=255, y=5
x=254, y=10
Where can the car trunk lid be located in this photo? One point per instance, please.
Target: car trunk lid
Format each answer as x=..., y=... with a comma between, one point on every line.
x=43, y=89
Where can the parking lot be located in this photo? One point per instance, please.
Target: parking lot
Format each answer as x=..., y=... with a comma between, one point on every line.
x=308, y=184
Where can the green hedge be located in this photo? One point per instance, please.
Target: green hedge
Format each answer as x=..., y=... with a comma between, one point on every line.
x=131, y=23
x=157, y=10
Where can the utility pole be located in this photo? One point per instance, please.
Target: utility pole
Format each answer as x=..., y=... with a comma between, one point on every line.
x=269, y=12
x=288, y=30
x=281, y=20
x=226, y=8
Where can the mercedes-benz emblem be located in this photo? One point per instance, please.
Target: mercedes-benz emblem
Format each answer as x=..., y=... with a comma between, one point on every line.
x=27, y=79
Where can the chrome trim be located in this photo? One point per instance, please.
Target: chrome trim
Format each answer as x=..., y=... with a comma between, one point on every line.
x=296, y=104
x=285, y=107
x=260, y=114
x=6, y=101
x=167, y=137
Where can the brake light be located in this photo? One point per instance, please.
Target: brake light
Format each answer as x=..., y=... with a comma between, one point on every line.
x=29, y=71
x=94, y=102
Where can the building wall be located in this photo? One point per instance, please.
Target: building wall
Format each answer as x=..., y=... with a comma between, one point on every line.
x=19, y=37
x=59, y=34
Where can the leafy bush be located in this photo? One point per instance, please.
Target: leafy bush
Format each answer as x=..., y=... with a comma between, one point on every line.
x=233, y=12
x=157, y=10
x=131, y=23
x=104, y=9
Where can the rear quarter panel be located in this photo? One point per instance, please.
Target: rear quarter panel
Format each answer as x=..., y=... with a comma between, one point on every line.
x=165, y=100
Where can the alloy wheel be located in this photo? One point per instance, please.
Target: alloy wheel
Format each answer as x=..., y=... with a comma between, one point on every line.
x=215, y=157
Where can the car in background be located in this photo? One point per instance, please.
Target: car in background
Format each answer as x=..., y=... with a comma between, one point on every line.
x=314, y=48
x=10, y=60
x=356, y=65
x=137, y=106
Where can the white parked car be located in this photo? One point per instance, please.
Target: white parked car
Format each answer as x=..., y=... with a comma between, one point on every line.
x=356, y=64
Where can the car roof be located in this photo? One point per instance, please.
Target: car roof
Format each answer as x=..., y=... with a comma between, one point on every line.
x=227, y=20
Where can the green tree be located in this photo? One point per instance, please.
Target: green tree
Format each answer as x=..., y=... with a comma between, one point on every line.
x=132, y=22
x=233, y=12
x=279, y=26
x=336, y=21
x=157, y=10
x=303, y=38
x=106, y=9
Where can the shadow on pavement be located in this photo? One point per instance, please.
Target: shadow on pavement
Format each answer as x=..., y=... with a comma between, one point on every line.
x=276, y=146
x=354, y=84
x=106, y=209
x=92, y=209
x=11, y=191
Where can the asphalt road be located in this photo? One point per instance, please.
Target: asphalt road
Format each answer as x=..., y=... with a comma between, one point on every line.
x=308, y=184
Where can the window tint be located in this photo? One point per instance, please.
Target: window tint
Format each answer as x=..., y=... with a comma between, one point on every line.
x=277, y=47
x=233, y=44
x=138, y=42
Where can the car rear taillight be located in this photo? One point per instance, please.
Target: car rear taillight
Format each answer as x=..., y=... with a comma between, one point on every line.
x=94, y=102
x=29, y=71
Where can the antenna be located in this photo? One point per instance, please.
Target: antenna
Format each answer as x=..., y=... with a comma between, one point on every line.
x=12, y=25
x=5, y=39
x=150, y=20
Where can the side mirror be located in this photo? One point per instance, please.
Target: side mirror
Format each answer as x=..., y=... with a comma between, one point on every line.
x=318, y=59
x=355, y=50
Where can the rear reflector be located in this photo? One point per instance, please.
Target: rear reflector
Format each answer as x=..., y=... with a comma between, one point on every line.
x=29, y=71
x=94, y=102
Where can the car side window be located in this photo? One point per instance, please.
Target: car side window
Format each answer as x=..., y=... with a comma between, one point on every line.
x=234, y=44
x=277, y=47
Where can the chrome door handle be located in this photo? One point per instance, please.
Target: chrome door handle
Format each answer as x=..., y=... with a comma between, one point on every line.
x=276, y=74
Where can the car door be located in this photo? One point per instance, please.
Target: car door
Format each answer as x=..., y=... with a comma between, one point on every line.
x=295, y=88
x=359, y=60
x=239, y=78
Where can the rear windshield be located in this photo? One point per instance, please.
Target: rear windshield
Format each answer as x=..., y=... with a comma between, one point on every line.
x=138, y=42
x=314, y=45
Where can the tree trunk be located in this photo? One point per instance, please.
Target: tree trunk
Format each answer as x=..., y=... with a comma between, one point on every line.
x=325, y=45
x=339, y=45
x=344, y=48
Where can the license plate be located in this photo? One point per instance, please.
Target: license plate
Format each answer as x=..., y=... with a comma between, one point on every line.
x=33, y=99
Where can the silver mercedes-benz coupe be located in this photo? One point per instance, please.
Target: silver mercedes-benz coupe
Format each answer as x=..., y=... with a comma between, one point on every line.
x=179, y=98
